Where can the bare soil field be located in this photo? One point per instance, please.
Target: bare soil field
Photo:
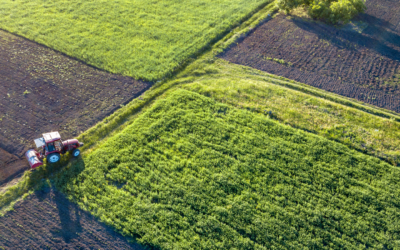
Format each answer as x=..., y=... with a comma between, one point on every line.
x=42, y=90
x=11, y=166
x=47, y=220
x=360, y=61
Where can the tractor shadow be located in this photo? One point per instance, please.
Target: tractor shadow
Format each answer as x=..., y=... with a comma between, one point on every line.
x=70, y=218
x=68, y=214
x=70, y=224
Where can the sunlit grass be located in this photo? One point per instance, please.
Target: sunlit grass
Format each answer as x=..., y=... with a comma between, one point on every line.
x=192, y=173
x=366, y=132
x=139, y=38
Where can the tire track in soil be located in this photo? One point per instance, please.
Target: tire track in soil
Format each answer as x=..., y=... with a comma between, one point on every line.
x=364, y=66
x=42, y=90
x=46, y=219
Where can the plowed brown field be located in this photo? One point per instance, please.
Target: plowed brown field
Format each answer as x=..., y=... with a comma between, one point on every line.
x=42, y=90
x=10, y=166
x=365, y=65
x=47, y=220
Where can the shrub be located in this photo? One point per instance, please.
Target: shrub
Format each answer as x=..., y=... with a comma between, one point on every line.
x=345, y=10
x=332, y=11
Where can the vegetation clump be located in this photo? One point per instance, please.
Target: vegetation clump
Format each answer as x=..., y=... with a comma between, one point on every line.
x=332, y=11
x=280, y=61
x=190, y=173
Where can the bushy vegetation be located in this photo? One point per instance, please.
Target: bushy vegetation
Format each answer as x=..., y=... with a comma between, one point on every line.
x=191, y=173
x=143, y=39
x=332, y=11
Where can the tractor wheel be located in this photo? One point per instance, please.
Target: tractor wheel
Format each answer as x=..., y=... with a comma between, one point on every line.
x=76, y=152
x=53, y=158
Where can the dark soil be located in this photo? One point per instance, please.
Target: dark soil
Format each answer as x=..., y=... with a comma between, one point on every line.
x=42, y=90
x=11, y=166
x=364, y=66
x=47, y=220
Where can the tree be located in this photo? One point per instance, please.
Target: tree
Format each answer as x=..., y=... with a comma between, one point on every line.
x=332, y=11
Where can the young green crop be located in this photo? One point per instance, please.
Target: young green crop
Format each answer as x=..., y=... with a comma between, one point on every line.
x=363, y=131
x=190, y=173
x=143, y=39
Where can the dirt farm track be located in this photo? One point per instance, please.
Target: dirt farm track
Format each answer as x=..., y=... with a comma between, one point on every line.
x=360, y=61
x=42, y=90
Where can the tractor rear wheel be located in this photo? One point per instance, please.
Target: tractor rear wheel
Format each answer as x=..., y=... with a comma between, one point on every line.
x=53, y=158
x=76, y=152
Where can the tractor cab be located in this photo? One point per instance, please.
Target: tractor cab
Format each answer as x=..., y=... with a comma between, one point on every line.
x=50, y=143
x=51, y=147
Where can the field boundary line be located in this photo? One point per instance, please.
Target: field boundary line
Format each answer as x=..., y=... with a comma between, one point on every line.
x=349, y=102
x=241, y=32
x=265, y=15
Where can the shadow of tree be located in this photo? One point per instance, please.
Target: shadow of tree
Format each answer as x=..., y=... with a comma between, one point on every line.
x=380, y=28
x=376, y=36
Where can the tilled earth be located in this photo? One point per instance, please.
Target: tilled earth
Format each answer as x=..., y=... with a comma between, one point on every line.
x=47, y=220
x=361, y=60
x=42, y=90
x=11, y=166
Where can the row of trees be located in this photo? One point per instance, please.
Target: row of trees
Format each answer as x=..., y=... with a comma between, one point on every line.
x=332, y=11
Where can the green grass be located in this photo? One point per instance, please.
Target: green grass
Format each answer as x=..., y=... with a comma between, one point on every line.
x=191, y=173
x=143, y=39
x=310, y=109
x=254, y=90
x=295, y=104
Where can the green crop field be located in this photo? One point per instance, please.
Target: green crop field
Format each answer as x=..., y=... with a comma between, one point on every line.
x=216, y=155
x=143, y=39
x=193, y=173
x=253, y=90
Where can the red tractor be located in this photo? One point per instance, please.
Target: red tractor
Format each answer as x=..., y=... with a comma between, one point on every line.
x=51, y=148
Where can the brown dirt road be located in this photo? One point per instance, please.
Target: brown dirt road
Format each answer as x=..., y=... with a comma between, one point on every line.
x=42, y=90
